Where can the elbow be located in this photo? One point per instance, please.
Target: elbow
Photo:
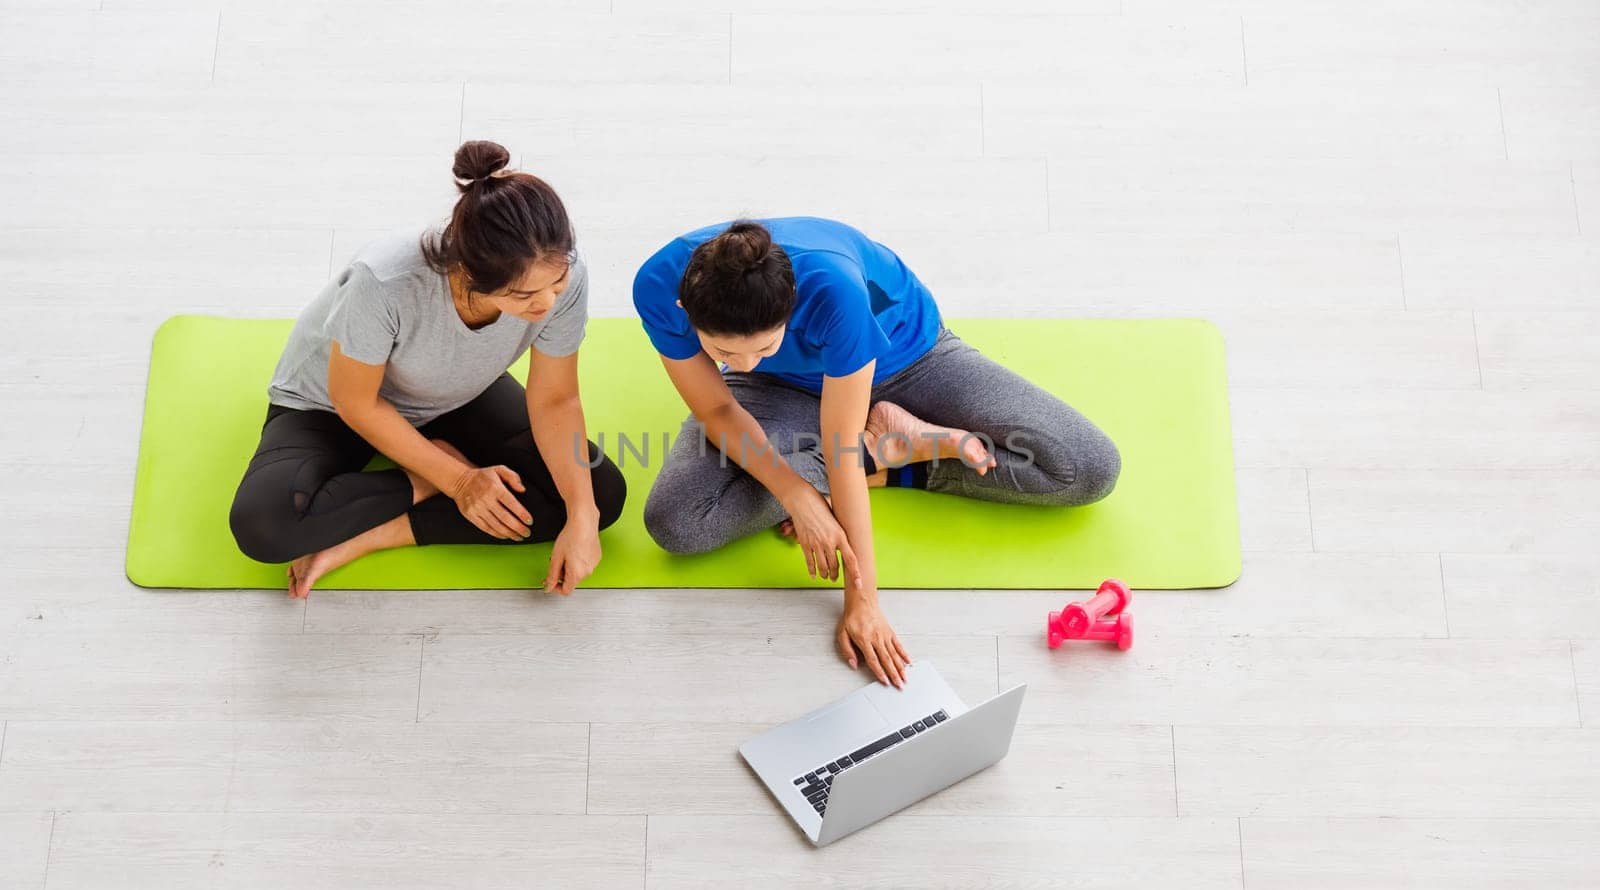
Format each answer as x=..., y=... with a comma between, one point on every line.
x=351, y=410
x=340, y=403
x=552, y=405
x=716, y=414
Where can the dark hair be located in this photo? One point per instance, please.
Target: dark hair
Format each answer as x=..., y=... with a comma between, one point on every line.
x=738, y=283
x=503, y=222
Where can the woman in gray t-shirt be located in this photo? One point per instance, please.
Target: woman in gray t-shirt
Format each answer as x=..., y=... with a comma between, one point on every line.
x=405, y=353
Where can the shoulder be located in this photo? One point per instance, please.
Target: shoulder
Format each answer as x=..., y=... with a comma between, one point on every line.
x=658, y=276
x=396, y=254
x=673, y=257
x=391, y=267
x=817, y=245
x=826, y=273
x=814, y=233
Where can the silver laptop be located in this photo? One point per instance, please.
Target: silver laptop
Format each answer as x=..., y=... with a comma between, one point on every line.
x=879, y=749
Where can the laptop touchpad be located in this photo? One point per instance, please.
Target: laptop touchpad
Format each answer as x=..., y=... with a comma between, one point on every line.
x=853, y=718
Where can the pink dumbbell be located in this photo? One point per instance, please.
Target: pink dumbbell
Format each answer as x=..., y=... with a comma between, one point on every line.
x=1082, y=621
x=1118, y=630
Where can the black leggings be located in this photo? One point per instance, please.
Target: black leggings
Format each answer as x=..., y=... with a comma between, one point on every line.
x=305, y=491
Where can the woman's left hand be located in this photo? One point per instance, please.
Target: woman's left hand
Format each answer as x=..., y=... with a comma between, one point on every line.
x=574, y=556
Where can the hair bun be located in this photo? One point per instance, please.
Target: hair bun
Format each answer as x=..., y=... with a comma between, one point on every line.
x=744, y=247
x=738, y=283
x=478, y=160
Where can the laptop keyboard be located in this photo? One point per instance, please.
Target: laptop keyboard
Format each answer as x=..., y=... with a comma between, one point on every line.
x=816, y=784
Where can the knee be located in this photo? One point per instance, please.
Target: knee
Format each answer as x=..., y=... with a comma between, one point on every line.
x=1098, y=473
x=669, y=525
x=610, y=489
x=261, y=532
x=1087, y=476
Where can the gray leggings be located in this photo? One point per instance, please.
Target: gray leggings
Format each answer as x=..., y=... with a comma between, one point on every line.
x=701, y=501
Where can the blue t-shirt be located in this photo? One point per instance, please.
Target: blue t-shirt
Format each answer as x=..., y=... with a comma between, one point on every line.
x=855, y=301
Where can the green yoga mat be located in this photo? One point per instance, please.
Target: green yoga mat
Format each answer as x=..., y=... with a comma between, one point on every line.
x=1157, y=387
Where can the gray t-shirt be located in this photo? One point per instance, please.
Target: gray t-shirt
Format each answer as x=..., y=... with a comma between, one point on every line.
x=387, y=307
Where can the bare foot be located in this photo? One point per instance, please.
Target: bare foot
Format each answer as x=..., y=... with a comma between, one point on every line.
x=305, y=571
x=898, y=437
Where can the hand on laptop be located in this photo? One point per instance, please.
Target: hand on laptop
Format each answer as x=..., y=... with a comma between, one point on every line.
x=864, y=628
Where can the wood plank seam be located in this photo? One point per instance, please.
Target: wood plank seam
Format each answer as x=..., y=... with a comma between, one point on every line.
x=1577, y=686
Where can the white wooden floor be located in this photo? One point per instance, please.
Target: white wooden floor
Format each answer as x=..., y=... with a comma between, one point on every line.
x=1391, y=209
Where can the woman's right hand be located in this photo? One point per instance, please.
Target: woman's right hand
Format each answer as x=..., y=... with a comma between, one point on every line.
x=864, y=628
x=482, y=496
x=820, y=535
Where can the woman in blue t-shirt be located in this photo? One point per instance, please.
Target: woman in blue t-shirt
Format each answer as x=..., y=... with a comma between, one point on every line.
x=837, y=376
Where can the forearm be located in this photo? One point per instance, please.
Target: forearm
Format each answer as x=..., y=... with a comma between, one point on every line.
x=737, y=434
x=562, y=438
x=847, y=481
x=844, y=408
x=394, y=437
